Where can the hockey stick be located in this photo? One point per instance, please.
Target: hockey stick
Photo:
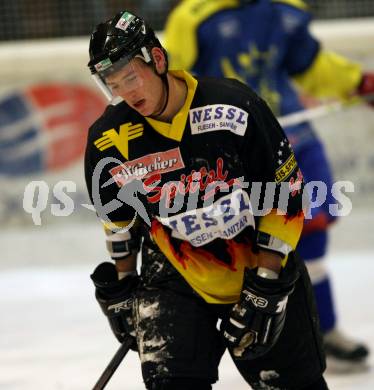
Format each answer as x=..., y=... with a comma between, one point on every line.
x=317, y=112
x=113, y=364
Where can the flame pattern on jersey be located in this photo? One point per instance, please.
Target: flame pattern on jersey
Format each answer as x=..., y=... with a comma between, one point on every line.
x=217, y=278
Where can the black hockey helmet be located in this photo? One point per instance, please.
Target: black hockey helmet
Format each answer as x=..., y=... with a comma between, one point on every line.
x=116, y=42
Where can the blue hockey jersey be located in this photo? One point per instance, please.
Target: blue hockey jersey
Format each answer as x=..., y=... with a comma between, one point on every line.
x=262, y=43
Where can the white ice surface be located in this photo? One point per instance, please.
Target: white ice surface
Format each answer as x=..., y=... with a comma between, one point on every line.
x=54, y=336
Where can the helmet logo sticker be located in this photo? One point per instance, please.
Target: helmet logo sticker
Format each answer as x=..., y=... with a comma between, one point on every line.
x=125, y=20
x=104, y=64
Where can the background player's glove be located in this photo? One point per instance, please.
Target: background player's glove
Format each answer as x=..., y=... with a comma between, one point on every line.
x=367, y=87
x=257, y=320
x=115, y=298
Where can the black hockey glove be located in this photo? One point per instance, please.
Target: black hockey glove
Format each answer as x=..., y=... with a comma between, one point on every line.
x=115, y=298
x=256, y=321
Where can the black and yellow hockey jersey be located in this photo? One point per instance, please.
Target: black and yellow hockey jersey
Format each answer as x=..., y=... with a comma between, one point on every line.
x=199, y=181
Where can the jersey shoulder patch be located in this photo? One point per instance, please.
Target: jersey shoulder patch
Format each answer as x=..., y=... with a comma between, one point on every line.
x=216, y=117
x=231, y=112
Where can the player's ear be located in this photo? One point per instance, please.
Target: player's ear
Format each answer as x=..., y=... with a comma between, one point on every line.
x=159, y=60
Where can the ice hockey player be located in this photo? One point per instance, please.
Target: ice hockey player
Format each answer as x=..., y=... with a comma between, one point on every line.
x=267, y=45
x=197, y=174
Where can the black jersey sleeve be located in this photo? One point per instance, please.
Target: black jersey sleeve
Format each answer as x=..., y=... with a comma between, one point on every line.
x=108, y=199
x=276, y=180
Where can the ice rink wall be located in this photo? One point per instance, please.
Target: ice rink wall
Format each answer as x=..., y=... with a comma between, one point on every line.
x=349, y=134
x=48, y=101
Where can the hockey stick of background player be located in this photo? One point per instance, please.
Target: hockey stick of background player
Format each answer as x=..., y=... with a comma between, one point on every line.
x=113, y=364
x=322, y=110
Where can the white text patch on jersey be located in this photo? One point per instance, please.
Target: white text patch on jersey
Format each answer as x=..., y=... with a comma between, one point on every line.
x=225, y=218
x=218, y=117
x=148, y=165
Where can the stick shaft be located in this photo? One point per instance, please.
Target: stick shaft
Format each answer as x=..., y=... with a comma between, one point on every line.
x=113, y=364
x=317, y=112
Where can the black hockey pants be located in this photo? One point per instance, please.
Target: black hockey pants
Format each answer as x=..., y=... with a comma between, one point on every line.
x=180, y=347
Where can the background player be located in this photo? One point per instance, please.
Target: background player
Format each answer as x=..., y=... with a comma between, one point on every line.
x=266, y=44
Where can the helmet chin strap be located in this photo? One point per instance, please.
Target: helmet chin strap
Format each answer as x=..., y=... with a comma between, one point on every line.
x=165, y=82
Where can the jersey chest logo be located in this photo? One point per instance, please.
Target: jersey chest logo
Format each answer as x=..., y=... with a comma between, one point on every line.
x=217, y=117
x=120, y=140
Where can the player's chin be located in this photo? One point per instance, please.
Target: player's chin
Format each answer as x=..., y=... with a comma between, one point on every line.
x=142, y=107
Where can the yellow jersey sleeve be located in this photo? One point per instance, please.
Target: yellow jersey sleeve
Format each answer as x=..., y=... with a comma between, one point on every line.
x=294, y=3
x=113, y=226
x=330, y=75
x=286, y=228
x=180, y=38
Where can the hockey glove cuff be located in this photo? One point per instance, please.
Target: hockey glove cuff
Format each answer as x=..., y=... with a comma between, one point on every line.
x=366, y=87
x=256, y=321
x=115, y=298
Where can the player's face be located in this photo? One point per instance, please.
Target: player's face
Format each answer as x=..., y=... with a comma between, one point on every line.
x=138, y=85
